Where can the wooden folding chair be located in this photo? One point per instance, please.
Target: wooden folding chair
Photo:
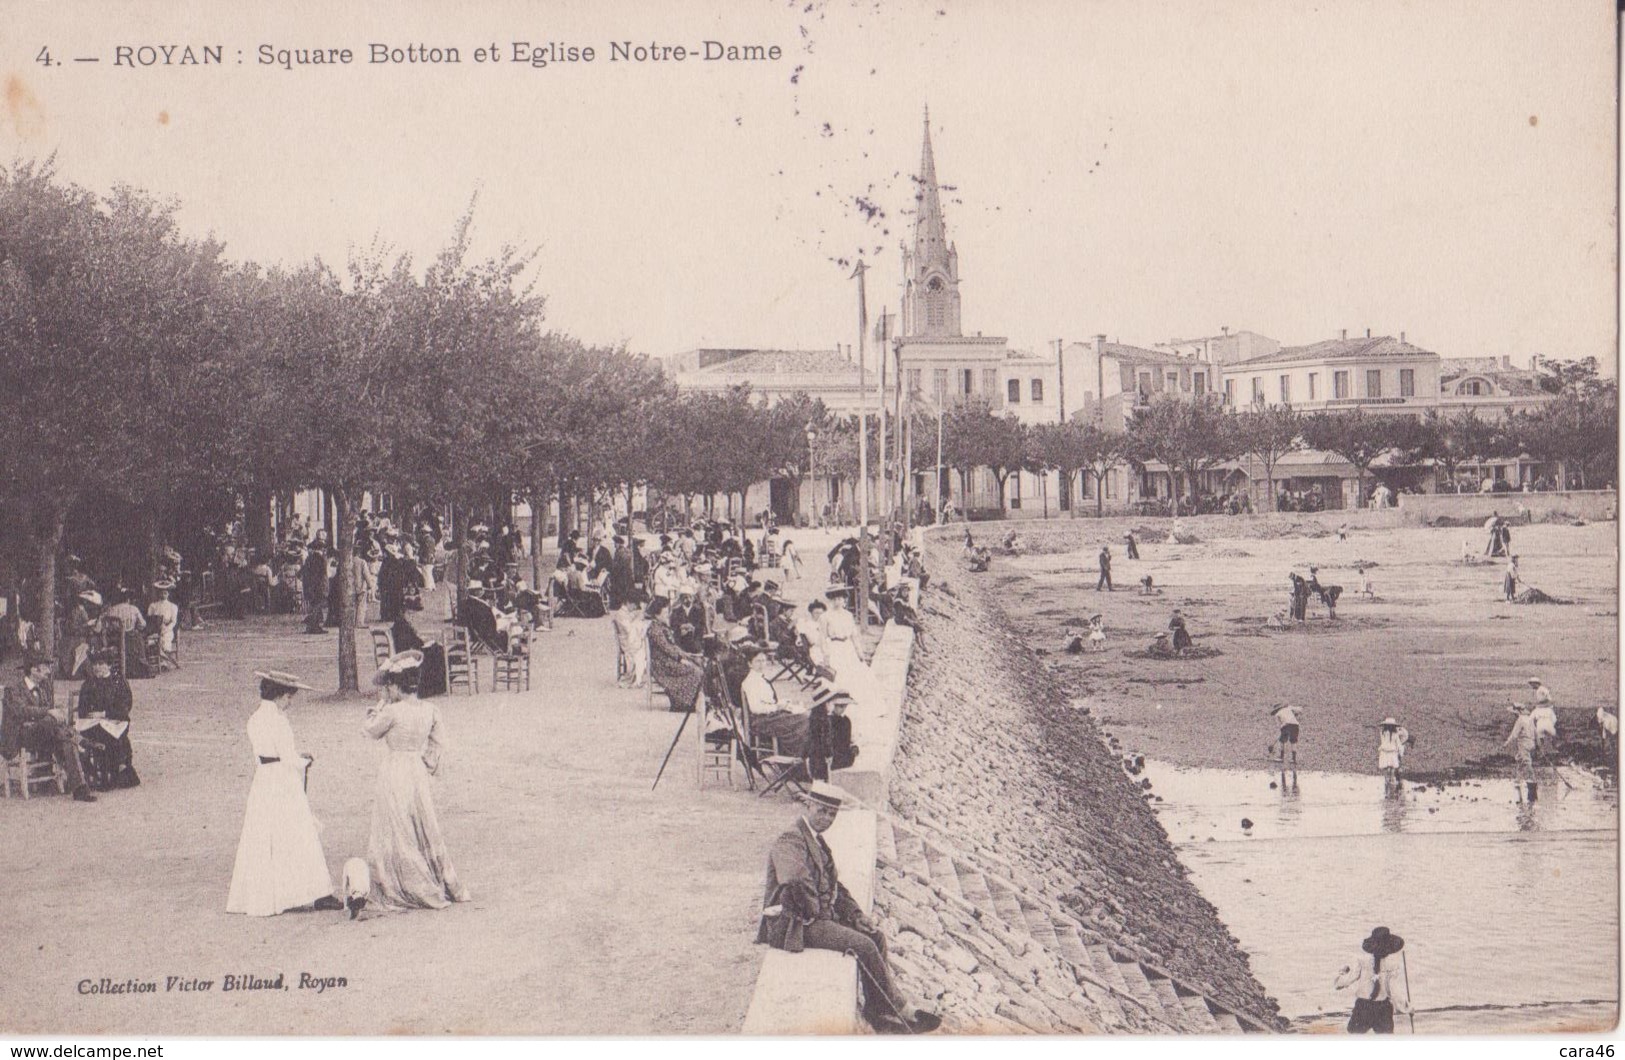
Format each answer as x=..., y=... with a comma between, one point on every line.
x=28, y=770
x=510, y=670
x=383, y=644
x=462, y=666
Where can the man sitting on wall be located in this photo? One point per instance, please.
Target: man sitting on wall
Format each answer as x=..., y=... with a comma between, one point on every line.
x=804, y=906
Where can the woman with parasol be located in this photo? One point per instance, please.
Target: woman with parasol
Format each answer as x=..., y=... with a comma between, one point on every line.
x=280, y=862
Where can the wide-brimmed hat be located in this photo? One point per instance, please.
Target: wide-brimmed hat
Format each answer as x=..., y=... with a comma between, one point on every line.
x=1382, y=943
x=91, y=596
x=1388, y=723
x=823, y=691
x=1278, y=708
x=164, y=585
x=283, y=678
x=836, y=592
x=1534, y=680
x=398, y=663
x=737, y=634
x=824, y=794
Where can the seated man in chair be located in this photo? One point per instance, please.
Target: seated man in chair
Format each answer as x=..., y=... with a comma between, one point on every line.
x=804, y=906
x=26, y=721
x=482, y=619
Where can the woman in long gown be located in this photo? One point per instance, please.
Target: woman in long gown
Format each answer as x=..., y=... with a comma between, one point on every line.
x=678, y=672
x=406, y=852
x=280, y=862
x=852, y=674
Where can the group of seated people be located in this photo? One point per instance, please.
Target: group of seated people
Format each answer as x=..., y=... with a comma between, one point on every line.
x=138, y=627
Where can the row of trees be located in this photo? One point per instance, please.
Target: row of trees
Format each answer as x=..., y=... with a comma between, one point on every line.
x=147, y=373
x=1577, y=428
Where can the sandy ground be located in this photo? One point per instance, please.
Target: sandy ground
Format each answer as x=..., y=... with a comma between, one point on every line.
x=1437, y=648
x=599, y=906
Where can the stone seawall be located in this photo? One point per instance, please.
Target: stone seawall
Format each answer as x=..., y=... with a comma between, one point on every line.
x=1421, y=509
x=1024, y=875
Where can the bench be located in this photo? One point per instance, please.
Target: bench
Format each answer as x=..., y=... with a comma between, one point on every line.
x=816, y=991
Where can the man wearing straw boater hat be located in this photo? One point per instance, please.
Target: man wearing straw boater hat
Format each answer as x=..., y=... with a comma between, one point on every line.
x=804, y=906
x=1383, y=983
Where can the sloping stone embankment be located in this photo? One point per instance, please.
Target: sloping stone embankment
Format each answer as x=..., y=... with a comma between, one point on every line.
x=1007, y=802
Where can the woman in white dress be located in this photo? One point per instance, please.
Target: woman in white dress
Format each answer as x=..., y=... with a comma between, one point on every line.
x=280, y=862
x=406, y=852
x=852, y=674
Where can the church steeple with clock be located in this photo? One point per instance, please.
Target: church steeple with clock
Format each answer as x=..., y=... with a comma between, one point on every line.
x=932, y=267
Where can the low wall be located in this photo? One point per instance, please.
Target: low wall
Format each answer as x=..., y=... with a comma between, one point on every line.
x=1422, y=509
x=816, y=991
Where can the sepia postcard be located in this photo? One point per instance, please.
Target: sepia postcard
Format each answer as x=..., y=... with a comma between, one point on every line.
x=757, y=518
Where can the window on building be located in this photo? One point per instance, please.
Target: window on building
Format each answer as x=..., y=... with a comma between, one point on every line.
x=990, y=382
x=1258, y=390
x=1286, y=390
x=1312, y=376
x=1156, y=380
x=1199, y=381
x=939, y=380
x=1185, y=380
x=1111, y=484
x=1340, y=384
x=1229, y=391
x=1038, y=390
x=1014, y=486
x=1373, y=382
x=1407, y=382
x=1012, y=391
x=914, y=380
x=935, y=303
x=1088, y=477
x=1145, y=383
x=967, y=381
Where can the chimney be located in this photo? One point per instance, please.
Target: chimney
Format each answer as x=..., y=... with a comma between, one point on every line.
x=1226, y=330
x=1401, y=336
x=1534, y=362
x=1343, y=334
x=1368, y=333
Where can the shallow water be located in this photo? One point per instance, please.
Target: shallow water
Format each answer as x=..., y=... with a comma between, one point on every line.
x=1510, y=913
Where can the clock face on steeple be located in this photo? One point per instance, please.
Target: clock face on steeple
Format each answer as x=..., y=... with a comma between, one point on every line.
x=935, y=286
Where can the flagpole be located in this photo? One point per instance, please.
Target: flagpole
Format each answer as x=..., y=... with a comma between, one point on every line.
x=862, y=600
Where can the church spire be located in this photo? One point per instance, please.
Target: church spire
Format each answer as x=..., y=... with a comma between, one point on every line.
x=930, y=235
x=933, y=282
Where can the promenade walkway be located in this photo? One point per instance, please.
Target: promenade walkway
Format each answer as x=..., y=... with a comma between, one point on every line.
x=599, y=906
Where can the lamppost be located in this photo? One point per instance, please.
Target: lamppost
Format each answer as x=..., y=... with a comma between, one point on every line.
x=812, y=440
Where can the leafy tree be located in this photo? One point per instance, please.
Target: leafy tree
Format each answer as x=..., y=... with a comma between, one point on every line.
x=1358, y=438
x=1188, y=437
x=1102, y=452
x=1269, y=433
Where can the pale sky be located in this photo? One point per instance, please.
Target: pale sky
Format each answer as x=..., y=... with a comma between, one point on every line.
x=1140, y=169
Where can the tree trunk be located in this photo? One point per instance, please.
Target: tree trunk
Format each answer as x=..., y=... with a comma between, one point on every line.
x=257, y=517
x=538, y=503
x=1100, y=493
x=344, y=509
x=566, y=513
x=631, y=491
x=47, y=543
x=1043, y=490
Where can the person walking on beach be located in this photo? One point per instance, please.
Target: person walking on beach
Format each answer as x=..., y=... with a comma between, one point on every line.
x=1509, y=584
x=1133, y=545
x=1105, y=569
x=1286, y=715
x=1379, y=981
x=1522, y=740
x=1392, y=743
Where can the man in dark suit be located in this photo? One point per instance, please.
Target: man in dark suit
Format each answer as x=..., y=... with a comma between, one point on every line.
x=804, y=906
x=26, y=721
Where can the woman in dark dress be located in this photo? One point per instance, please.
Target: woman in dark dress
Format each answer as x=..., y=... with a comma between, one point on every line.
x=677, y=671
x=105, y=696
x=1182, y=637
x=432, y=672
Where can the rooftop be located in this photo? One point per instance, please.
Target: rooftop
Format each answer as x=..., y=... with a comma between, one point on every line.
x=1361, y=349
x=757, y=364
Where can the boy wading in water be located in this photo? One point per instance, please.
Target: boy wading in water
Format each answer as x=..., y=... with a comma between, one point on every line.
x=1286, y=715
x=1378, y=976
